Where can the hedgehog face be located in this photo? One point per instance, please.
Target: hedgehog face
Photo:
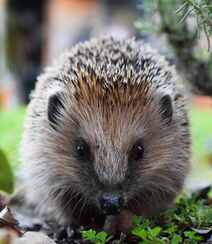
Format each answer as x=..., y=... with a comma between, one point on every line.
x=116, y=150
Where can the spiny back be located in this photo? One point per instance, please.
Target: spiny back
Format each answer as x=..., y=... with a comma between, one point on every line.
x=109, y=60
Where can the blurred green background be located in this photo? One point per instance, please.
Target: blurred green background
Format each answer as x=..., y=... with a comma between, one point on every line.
x=11, y=127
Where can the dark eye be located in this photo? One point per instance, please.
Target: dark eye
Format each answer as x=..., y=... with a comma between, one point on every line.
x=137, y=151
x=83, y=150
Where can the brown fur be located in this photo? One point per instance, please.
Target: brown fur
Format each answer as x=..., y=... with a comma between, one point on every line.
x=111, y=92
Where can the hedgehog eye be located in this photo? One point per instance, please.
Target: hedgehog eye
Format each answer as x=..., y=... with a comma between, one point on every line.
x=82, y=150
x=137, y=151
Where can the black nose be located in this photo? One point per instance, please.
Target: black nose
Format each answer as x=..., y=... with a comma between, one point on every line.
x=111, y=204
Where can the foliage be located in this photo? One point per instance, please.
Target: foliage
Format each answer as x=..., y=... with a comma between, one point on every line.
x=190, y=218
x=182, y=21
x=6, y=174
x=174, y=14
x=96, y=238
x=143, y=231
x=202, y=11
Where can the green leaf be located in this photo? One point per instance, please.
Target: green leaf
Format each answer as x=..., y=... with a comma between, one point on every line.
x=170, y=230
x=140, y=232
x=155, y=231
x=89, y=235
x=176, y=239
x=136, y=220
x=205, y=215
x=102, y=236
x=6, y=174
x=98, y=238
x=192, y=236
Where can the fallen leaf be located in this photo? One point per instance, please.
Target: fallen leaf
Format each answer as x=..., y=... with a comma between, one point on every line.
x=6, y=174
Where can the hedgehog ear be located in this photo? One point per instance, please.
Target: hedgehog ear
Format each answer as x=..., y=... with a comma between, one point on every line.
x=166, y=109
x=55, y=105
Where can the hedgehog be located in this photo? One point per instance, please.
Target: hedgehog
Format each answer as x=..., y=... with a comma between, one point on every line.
x=106, y=135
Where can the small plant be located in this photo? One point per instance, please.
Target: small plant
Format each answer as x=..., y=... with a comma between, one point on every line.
x=176, y=239
x=202, y=11
x=96, y=237
x=192, y=236
x=143, y=231
x=189, y=222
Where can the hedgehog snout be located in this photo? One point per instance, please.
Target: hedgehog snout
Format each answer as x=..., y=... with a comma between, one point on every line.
x=110, y=203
